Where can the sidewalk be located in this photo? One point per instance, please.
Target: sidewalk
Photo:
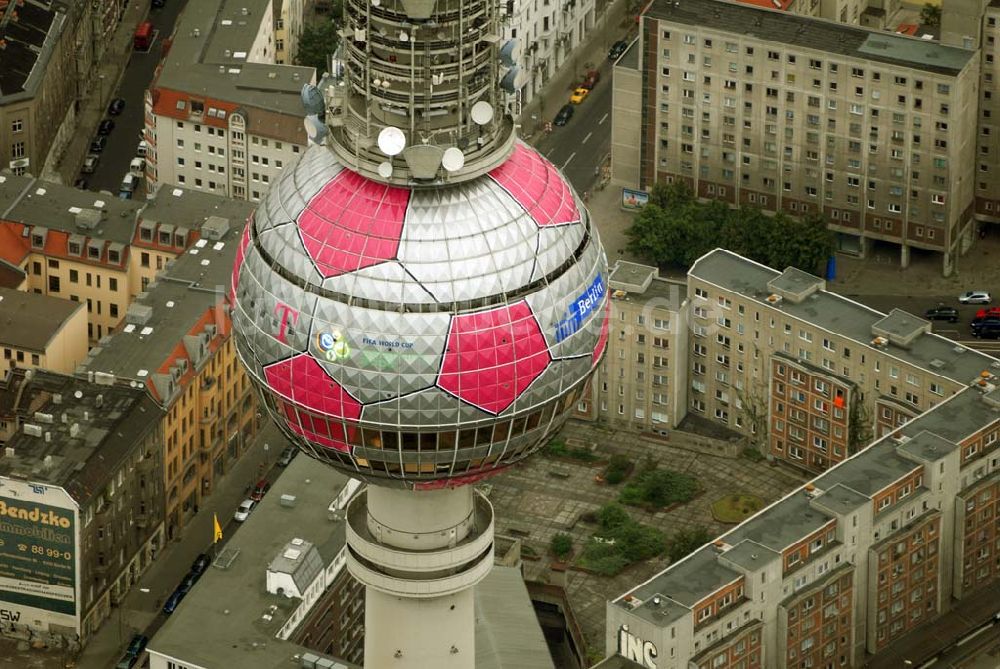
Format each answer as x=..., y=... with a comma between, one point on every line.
x=611, y=25
x=139, y=609
x=102, y=87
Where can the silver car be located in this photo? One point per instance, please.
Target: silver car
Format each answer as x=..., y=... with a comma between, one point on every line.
x=975, y=297
x=242, y=513
x=90, y=163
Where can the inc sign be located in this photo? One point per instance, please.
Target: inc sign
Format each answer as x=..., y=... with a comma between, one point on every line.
x=633, y=648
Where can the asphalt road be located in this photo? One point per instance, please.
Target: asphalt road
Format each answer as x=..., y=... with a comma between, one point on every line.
x=129, y=124
x=918, y=304
x=577, y=147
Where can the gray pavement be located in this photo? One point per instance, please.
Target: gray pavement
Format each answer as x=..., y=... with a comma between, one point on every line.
x=544, y=496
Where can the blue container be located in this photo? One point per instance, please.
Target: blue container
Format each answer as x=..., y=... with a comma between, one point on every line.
x=831, y=268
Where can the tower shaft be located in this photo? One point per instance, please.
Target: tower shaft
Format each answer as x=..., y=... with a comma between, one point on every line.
x=419, y=554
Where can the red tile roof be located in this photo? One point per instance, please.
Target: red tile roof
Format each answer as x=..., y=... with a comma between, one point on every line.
x=907, y=29
x=165, y=104
x=56, y=246
x=13, y=247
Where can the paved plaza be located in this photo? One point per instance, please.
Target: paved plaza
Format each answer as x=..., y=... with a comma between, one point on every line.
x=545, y=496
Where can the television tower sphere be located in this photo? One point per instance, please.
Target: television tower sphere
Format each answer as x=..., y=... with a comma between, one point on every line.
x=414, y=336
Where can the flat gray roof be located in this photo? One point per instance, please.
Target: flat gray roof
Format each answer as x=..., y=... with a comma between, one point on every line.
x=31, y=320
x=839, y=315
x=30, y=31
x=508, y=635
x=630, y=58
x=958, y=417
x=220, y=622
x=216, y=33
x=817, y=35
x=189, y=208
x=50, y=205
x=103, y=425
x=751, y=555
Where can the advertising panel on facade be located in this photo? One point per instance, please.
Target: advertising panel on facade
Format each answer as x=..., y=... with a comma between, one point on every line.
x=37, y=551
x=633, y=200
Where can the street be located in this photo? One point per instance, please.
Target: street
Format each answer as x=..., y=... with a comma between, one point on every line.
x=142, y=608
x=138, y=74
x=577, y=147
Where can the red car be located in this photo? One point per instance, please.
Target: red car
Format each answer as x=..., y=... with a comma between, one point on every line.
x=593, y=76
x=260, y=490
x=992, y=311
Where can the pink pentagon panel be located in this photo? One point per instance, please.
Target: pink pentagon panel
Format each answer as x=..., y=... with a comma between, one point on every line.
x=353, y=223
x=537, y=186
x=312, y=402
x=241, y=251
x=492, y=356
x=602, y=340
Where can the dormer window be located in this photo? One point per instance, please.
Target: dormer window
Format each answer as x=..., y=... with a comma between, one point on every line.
x=146, y=234
x=37, y=241
x=75, y=249
x=165, y=238
x=114, y=257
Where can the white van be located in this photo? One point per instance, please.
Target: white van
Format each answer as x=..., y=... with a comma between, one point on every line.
x=141, y=149
x=128, y=183
x=137, y=168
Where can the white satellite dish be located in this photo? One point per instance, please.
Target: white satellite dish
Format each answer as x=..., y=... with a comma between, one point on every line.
x=391, y=141
x=376, y=3
x=481, y=112
x=385, y=170
x=403, y=37
x=453, y=159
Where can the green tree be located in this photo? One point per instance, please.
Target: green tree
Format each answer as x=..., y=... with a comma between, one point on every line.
x=659, y=488
x=562, y=545
x=318, y=41
x=612, y=516
x=930, y=15
x=639, y=542
x=686, y=542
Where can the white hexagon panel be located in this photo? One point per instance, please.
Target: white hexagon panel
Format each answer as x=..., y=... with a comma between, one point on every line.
x=424, y=336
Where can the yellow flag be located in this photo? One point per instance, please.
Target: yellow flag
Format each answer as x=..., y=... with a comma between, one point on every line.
x=218, y=529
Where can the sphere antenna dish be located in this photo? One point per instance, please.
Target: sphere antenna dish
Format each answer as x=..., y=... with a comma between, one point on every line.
x=391, y=141
x=481, y=112
x=453, y=159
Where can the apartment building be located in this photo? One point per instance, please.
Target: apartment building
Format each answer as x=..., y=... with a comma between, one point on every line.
x=841, y=568
x=42, y=332
x=987, y=159
x=870, y=130
x=548, y=32
x=81, y=480
x=38, y=79
x=808, y=375
x=231, y=121
x=176, y=342
x=288, y=27
x=98, y=250
x=642, y=382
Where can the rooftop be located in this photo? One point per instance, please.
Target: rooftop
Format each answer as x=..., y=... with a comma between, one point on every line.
x=814, y=35
x=957, y=418
x=28, y=31
x=209, y=57
x=220, y=622
x=93, y=428
x=630, y=58
x=840, y=315
x=30, y=320
x=34, y=202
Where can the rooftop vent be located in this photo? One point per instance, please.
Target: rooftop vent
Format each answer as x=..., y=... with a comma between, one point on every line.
x=46, y=418
x=33, y=430
x=287, y=500
x=774, y=298
x=880, y=342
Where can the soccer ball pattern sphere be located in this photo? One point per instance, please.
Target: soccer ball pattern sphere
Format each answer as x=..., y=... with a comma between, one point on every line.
x=422, y=336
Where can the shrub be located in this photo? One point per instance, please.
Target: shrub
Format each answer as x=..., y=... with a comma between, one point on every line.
x=686, y=542
x=659, y=488
x=562, y=545
x=617, y=470
x=612, y=516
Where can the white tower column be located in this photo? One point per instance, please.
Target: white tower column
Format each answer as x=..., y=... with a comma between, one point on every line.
x=419, y=554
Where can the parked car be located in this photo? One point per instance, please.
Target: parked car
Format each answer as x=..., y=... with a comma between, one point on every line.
x=987, y=329
x=579, y=95
x=591, y=80
x=127, y=661
x=243, y=512
x=617, y=49
x=287, y=456
x=124, y=195
x=97, y=146
x=159, y=3
x=173, y=600
x=90, y=163
x=200, y=564
x=949, y=314
x=188, y=582
x=116, y=107
x=564, y=115
x=137, y=168
x=975, y=297
x=106, y=126
x=141, y=149
x=137, y=645
x=80, y=183
x=984, y=313
x=260, y=490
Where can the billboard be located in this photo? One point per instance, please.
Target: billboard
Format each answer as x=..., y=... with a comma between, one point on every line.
x=38, y=553
x=633, y=200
